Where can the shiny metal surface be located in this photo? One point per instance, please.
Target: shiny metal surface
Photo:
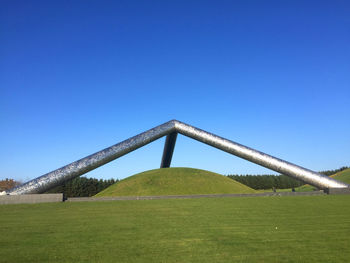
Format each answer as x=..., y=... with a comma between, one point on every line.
x=168, y=151
x=75, y=169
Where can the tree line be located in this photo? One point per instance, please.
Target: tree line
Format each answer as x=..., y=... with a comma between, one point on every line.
x=78, y=187
x=82, y=187
x=269, y=181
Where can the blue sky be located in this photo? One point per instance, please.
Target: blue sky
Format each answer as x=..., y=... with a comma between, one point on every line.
x=79, y=76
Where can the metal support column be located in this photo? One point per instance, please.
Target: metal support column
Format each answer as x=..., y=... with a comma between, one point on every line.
x=168, y=150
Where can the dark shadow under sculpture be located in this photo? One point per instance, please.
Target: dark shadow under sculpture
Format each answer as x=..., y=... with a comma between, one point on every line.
x=171, y=129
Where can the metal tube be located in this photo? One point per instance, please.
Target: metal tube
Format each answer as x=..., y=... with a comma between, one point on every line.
x=168, y=151
x=82, y=166
x=268, y=161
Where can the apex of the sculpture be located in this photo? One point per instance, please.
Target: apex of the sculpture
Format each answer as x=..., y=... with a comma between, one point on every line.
x=172, y=124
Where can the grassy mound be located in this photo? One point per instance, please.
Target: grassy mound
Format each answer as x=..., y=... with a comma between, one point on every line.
x=343, y=176
x=175, y=181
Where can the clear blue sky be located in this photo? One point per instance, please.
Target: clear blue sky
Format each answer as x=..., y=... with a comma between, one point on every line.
x=79, y=76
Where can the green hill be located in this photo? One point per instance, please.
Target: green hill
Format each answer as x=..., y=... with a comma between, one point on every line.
x=175, y=181
x=343, y=176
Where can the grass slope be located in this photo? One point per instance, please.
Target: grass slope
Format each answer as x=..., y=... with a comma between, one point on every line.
x=343, y=176
x=175, y=181
x=246, y=229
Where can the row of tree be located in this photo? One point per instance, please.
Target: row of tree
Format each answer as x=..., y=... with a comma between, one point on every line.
x=78, y=187
x=82, y=187
x=274, y=181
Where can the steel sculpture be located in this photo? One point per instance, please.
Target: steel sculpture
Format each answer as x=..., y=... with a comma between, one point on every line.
x=170, y=130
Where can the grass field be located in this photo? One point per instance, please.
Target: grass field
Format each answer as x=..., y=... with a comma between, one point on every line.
x=175, y=181
x=245, y=229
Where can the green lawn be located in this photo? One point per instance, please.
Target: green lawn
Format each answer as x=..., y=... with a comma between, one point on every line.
x=247, y=229
x=175, y=181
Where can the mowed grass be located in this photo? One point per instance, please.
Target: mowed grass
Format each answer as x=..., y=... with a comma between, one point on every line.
x=245, y=229
x=175, y=181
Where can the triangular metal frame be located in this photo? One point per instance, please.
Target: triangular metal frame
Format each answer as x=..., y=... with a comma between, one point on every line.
x=170, y=130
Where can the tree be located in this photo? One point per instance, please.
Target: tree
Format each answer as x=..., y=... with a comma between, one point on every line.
x=7, y=184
